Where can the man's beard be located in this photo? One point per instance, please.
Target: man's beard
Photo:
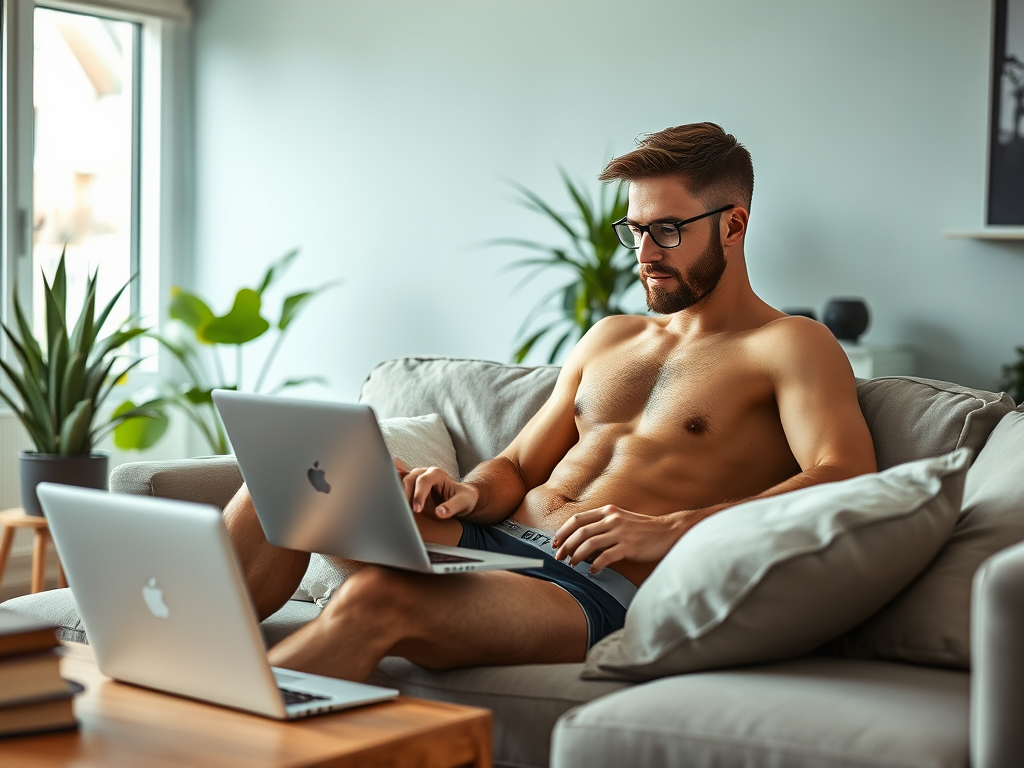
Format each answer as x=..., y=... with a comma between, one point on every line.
x=701, y=280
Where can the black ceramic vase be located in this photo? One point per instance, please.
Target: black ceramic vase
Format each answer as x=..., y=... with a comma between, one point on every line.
x=846, y=318
x=88, y=471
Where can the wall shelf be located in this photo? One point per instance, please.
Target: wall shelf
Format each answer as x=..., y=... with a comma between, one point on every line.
x=987, y=233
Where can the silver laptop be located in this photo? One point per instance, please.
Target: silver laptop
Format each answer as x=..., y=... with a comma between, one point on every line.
x=165, y=606
x=322, y=480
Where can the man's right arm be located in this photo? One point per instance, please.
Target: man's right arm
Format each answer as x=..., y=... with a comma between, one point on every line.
x=496, y=488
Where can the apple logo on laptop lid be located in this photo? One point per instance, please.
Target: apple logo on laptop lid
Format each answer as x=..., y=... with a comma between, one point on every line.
x=154, y=597
x=317, y=478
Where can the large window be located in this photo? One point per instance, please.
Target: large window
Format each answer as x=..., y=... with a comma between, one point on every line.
x=85, y=157
x=86, y=143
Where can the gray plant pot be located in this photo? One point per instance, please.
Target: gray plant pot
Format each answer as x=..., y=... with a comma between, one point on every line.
x=86, y=471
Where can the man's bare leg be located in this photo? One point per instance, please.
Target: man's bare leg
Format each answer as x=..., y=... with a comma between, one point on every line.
x=272, y=574
x=438, y=622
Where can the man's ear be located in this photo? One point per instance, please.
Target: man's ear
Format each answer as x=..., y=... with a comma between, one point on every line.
x=734, y=225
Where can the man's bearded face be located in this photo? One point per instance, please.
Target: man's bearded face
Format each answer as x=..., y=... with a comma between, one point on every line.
x=701, y=279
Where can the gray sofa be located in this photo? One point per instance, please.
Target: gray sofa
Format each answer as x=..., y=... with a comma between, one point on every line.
x=823, y=709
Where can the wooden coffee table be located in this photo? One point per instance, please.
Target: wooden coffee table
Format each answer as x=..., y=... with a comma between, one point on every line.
x=122, y=726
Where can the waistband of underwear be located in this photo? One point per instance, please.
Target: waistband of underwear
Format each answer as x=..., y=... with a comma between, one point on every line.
x=614, y=583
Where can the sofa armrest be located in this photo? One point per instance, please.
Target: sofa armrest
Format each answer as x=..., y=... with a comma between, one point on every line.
x=997, y=661
x=207, y=480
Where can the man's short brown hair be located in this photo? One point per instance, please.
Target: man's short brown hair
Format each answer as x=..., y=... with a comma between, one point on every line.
x=711, y=164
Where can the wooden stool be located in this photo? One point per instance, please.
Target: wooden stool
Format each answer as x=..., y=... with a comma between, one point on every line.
x=11, y=519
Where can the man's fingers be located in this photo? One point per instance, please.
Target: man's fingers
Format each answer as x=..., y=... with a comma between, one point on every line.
x=586, y=530
x=456, y=505
x=591, y=547
x=409, y=482
x=606, y=558
x=574, y=523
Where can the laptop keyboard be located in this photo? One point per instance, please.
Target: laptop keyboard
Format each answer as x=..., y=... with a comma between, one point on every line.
x=299, y=697
x=439, y=557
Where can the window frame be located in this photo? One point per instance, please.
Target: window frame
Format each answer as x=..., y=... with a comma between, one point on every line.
x=161, y=147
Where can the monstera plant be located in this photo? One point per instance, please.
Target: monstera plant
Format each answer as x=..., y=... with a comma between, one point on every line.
x=199, y=340
x=599, y=268
x=63, y=385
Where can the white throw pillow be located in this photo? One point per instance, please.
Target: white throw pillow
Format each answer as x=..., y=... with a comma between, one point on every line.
x=419, y=441
x=777, y=577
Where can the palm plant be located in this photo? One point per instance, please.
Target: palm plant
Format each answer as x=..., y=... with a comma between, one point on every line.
x=601, y=268
x=63, y=388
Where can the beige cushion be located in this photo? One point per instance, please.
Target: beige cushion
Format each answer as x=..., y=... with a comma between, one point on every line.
x=774, y=578
x=483, y=404
x=419, y=441
x=912, y=418
x=929, y=622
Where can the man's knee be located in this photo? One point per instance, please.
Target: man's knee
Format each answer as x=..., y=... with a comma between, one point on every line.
x=373, y=594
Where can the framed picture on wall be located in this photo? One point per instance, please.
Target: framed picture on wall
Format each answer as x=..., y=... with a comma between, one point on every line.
x=1006, y=122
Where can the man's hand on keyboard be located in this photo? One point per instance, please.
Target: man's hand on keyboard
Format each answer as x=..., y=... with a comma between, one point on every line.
x=432, y=491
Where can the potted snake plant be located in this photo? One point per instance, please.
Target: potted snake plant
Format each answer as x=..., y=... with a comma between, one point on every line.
x=62, y=387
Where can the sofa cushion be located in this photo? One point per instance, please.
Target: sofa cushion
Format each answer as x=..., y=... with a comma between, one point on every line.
x=58, y=606
x=483, y=404
x=206, y=480
x=929, y=622
x=419, y=441
x=776, y=577
x=813, y=712
x=526, y=700
x=912, y=418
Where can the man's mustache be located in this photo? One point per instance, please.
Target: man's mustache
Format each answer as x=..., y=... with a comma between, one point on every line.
x=647, y=272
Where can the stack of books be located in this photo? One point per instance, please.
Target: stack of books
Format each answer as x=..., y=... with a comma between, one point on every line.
x=33, y=695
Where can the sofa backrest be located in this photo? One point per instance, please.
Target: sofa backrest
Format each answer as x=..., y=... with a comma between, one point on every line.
x=485, y=404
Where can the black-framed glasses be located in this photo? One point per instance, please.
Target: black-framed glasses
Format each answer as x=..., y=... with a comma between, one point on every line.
x=664, y=233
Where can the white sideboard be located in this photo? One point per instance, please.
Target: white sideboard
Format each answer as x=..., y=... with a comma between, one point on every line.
x=869, y=360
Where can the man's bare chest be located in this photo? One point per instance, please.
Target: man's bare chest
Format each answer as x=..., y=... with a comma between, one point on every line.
x=695, y=392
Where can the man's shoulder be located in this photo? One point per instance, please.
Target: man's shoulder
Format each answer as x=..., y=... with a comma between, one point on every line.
x=795, y=342
x=621, y=327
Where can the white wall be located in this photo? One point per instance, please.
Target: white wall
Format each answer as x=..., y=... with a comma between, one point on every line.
x=376, y=136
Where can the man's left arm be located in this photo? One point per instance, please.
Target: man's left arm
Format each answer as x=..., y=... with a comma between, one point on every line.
x=817, y=399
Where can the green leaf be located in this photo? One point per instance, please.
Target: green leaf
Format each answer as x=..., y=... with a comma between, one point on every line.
x=140, y=427
x=295, y=302
x=31, y=426
x=532, y=200
x=28, y=341
x=97, y=326
x=276, y=269
x=55, y=329
x=115, y=340
x=298, y=383
x=73, y=386
x=557, y=349
x=83, y=337
x=198, y=396
x=242, y=324
x=59, y=287
x=113, y=381
x=74, y=431
x=189, y=309
x=58, y=362
x=524, y=350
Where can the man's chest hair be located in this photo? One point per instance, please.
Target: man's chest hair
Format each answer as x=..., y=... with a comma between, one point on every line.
x=696, y=391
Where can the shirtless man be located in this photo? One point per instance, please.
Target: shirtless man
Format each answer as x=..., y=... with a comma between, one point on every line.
x=654, y=424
